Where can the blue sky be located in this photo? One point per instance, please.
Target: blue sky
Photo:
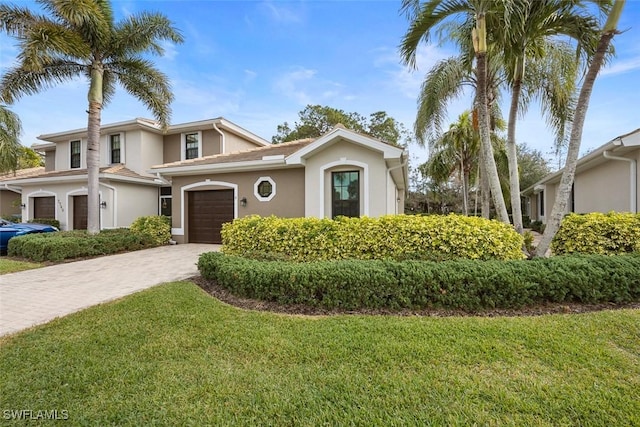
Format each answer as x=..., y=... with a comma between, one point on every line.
x=258, y=63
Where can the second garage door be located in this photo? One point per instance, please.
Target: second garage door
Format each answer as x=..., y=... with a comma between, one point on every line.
x=208, y=210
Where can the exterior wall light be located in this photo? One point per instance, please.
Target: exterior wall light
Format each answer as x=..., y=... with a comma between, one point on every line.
x=243, y=202
x=103, y=204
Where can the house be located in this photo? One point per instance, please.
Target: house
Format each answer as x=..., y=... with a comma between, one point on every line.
x=206, y=173
x=606, y=180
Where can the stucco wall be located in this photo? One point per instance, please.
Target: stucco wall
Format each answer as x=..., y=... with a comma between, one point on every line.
x=63, y=154
x=603, y=188
x=171, y=148
x=233, y=143
x=374, y=188
x=125, y=202
x=210, y=142
x=287, y=202
x=50, y=161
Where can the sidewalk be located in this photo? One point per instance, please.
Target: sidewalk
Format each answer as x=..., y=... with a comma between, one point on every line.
x=38, y=296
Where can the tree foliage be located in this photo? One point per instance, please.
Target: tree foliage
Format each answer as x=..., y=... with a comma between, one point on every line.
x=10, y=129
x=316, y=120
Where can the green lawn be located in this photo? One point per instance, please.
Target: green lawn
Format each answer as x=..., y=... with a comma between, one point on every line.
x=11, y=266
x=172, y=355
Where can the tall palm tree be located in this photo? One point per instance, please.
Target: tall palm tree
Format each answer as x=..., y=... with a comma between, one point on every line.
x=566, y=182
x=10, y=129
x=456, y=151
x=534, y=27
x=436, y=14
x=81, y=39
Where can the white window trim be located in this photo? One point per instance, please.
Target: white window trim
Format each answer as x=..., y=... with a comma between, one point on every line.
x=81, y=156
x=183, y=144
x=273, y=189
x=326, y=168
x=122, y=150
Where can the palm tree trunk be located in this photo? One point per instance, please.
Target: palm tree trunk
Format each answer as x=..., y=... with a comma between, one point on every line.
x=485, y=191
x=465, y=188
x=566, y=182
x=485, y=141
x=512, y=153
x=93, y=150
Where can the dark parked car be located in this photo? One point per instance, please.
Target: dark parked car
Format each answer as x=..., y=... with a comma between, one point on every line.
x=11, y=229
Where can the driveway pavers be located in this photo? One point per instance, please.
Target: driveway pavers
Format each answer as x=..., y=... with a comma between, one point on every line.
x=34, y=297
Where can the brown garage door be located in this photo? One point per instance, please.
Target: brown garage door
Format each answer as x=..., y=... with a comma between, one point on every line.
x=79, y=212
x=208, y=210
x=44, y=207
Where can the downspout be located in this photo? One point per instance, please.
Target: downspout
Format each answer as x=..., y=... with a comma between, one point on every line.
x=222, y=147
x=633, y=167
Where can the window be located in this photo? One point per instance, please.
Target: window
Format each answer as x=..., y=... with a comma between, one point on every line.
x=541, y=203
x=115, y=147
x=76, y=146
x=192, y=146
x=165, y=201
x=264, y=189
x=345, y=198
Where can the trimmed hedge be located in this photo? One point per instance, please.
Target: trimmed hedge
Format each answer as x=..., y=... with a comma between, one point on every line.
x=598, y=233
x=63, y=245
x=399, y=237
x=458, y=284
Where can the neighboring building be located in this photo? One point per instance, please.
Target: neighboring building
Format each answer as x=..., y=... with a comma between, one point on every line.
x=209, y=172
x=11, y=196
x=606, y=180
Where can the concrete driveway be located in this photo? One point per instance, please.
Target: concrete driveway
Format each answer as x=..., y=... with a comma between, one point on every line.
x=38, y=296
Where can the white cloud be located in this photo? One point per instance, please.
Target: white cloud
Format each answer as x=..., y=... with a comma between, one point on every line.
x=290, y=84
x=279, y=14
x=623, y=66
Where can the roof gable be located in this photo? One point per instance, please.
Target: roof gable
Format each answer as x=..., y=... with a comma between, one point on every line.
x=339, y=133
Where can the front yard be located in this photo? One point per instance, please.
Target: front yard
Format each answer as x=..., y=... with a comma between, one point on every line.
x=173, y=355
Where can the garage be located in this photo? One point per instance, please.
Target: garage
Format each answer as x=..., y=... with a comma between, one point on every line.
x=44, y=207
x=80, y=209
x=208, y=210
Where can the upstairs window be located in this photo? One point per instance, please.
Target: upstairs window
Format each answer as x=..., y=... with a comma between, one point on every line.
x=345, y=197
x=191, y=145
x=75, y=149
x=115, y=147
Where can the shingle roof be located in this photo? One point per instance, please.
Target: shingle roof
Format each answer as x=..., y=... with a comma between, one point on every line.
x=21, y=173
x=118, y=170
x=258, y=153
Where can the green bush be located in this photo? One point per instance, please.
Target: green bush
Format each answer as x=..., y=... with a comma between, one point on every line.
x=598, y=233
x=537, y=226
x=399, y=237
x=157, y=227
x=63, y=245
x=457, y=284
x=49, y=221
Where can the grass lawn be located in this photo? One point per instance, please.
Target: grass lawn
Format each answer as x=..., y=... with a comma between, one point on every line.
x=11, y=266
x=172, y=355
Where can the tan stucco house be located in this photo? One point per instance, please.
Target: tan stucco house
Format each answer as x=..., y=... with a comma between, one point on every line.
x=606, y=180
x=206, y=173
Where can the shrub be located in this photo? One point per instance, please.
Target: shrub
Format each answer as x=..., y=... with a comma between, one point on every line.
x=76, y=244
x=598, y=233
x=157, y=227
x=456, y=284
x=399, y=237
x=49, y=221
x=537, y=226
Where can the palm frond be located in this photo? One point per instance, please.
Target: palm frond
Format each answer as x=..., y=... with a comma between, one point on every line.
x=10, y=129
x=18, y=81
x=142, y=80
x=142, y=33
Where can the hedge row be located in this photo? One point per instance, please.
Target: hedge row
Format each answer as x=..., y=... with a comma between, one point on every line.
x=399, y=237
x=76, y=244
x=459, y=284
x=598, y=233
